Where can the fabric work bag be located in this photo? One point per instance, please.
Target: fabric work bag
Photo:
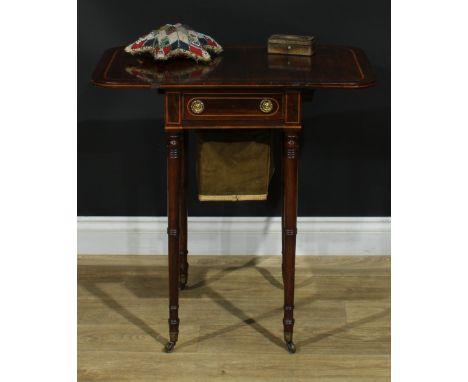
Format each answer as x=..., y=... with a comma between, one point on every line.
x=234, y=165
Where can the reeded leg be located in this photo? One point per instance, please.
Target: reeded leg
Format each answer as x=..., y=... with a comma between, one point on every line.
x=174, y=153
x=183, y=215
x=290, y=151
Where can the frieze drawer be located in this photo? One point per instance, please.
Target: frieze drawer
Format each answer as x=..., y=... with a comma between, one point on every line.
x=216, y=106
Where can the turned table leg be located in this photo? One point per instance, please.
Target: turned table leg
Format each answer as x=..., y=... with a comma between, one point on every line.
x=183, y=214
x=283, y=199
x=174, y=159
x=290, y=151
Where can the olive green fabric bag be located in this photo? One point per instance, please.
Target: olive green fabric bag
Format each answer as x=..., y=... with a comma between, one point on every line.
x=234, y=165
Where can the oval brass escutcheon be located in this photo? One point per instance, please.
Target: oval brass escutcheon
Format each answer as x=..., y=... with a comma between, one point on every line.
x=197, y=106
x=266, y=106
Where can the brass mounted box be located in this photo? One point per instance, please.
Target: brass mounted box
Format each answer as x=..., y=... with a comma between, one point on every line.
x=291, y=44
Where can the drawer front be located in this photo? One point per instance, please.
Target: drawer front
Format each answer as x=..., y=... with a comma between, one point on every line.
x=233, y=106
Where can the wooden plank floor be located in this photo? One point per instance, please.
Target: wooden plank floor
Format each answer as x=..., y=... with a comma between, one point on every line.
x=231, y=320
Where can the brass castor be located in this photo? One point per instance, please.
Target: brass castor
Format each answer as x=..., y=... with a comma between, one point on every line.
x=291, y=347
x=169, y=347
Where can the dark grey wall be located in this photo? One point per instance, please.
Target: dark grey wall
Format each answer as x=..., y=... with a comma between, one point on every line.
x=345, y=157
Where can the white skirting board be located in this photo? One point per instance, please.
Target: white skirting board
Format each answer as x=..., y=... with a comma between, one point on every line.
x=234, y=236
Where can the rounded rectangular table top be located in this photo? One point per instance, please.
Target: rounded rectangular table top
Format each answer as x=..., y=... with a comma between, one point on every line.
x=239, y=66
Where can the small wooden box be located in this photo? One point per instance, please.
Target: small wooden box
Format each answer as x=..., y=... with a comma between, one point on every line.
x=291, y=44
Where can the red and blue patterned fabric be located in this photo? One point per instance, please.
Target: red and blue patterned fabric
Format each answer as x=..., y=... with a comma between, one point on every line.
x=175, y=40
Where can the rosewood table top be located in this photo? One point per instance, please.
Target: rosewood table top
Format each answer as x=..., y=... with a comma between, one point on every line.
x=239, y=66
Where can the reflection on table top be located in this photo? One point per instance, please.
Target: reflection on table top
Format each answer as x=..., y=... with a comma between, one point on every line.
x=246, y=66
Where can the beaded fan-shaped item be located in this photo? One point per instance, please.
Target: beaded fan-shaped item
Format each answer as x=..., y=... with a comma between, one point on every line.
x=175, y=40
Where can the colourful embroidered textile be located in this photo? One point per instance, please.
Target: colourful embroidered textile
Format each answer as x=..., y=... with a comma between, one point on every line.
x=234, y=165
x=175, y=40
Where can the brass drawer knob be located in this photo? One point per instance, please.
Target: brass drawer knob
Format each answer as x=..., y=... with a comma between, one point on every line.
x=197, y=106
x=266, y=106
